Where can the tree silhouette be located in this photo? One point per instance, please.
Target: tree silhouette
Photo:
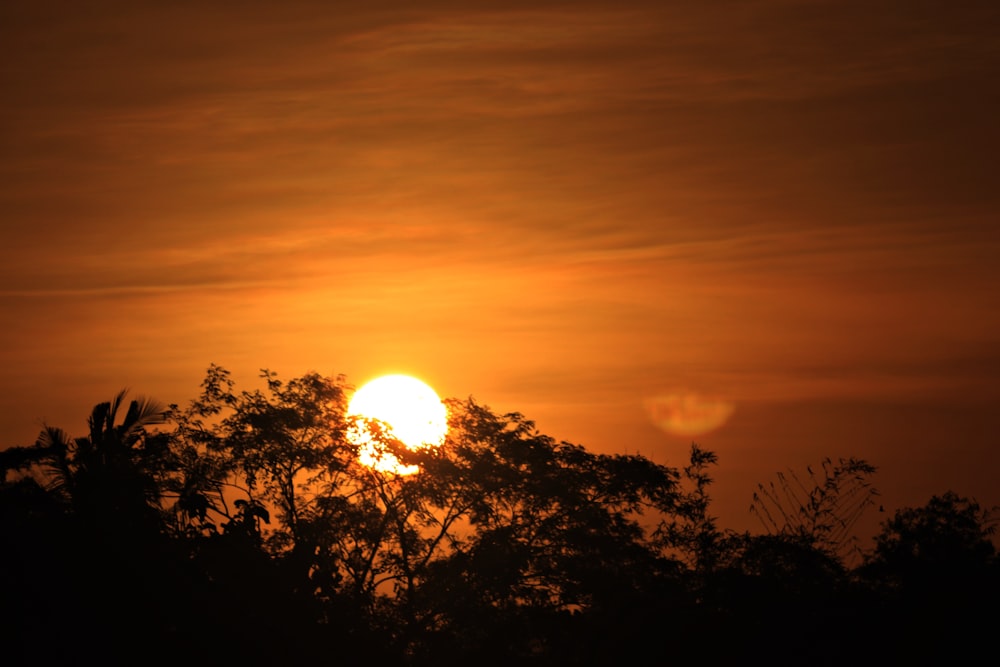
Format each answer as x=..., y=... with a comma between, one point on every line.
x=934, y=569
x=103, y=494
x=824, y=510
x=109, y=477
x=551, y=531
x=502, y=524
x=948, y=537
x=245, y=528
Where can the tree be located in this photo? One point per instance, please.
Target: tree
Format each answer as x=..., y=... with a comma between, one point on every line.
x=254, y=522
x=87, y=525
x=822, y=510
x=690, y=530
x=937, y=546
x=504, y=531
x=538, y=535
x=274, y=447
x=111, y=476
x=934, y=572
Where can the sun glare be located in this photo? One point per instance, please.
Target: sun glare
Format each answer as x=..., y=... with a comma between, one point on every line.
x=410, y=411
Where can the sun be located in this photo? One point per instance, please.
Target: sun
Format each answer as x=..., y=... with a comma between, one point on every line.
x=411, y=412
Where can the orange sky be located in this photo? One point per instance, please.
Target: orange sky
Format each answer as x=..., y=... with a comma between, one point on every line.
x=567, y=209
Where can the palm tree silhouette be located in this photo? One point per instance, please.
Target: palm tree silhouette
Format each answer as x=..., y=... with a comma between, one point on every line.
x=109, y=475
x=84, y=528
x=115, y=467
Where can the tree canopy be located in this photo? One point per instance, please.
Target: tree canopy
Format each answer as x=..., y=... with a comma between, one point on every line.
x=242, y=526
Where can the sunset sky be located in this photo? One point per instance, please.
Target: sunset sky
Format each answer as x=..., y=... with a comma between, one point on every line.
x=575, y=210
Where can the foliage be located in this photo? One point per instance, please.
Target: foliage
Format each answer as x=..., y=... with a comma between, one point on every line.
x=249, y=518
x=824, y=510
x=270, y=446
x=691, y=531
x=933, y=571
x=950, y=537
x=547, y=528
x=112, y=475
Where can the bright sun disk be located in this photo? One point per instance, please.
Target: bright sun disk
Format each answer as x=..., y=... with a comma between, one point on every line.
x=411, y=411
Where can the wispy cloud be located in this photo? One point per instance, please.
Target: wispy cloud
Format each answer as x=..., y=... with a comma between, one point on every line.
x=578, y=200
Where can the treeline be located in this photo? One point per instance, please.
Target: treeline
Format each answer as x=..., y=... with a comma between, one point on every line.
x=241, y=529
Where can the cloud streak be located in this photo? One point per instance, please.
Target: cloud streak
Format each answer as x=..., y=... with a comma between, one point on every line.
x=566, y=205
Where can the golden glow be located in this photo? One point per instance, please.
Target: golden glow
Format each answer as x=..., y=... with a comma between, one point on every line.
x=410, y=411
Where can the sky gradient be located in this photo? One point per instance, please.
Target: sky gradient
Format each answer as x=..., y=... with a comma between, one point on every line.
x=576, y=210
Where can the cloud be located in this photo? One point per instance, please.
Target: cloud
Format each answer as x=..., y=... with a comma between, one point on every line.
x=731, y=189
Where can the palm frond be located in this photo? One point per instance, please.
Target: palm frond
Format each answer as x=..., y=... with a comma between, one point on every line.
x=21, y=458
x=144, y=411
